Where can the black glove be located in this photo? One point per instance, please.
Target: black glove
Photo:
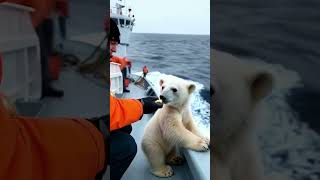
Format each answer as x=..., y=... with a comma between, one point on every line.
x=149, y=104
x=102, y=123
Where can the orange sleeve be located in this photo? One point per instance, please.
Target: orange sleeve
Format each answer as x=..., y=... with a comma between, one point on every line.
x=119, y=60
x=114, y=59
x=49, y=148
x=124, y=112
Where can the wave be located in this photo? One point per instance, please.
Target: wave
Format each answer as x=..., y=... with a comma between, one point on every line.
x=290, y=148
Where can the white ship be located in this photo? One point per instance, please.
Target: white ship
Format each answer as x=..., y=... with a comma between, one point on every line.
x=124, y=18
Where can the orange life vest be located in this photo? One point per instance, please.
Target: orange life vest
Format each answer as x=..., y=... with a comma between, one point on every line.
x=120, y=60
x=145, y=70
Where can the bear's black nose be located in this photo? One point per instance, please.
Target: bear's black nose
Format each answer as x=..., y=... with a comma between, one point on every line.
x=162, y=98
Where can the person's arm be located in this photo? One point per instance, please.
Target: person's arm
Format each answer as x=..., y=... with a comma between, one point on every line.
x=128, y=62
x=124, y=112
x=7, y=136
x=119, y=60
x=43, y=148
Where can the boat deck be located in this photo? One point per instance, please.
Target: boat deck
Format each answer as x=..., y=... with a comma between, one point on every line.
x=84, y=98
x=88, y=97
x=139, y=169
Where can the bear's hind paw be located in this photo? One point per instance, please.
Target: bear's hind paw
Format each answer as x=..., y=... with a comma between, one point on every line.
x=176, y=160
x=166, y=171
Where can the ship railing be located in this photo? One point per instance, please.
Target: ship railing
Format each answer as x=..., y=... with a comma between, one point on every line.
x=20, y=52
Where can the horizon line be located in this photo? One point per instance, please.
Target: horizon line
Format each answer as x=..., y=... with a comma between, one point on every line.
x=170, y=33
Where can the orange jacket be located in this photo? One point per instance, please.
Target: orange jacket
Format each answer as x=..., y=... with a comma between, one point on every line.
x=48, y=148
x=124, y=112
x=120, y=60
x=42, y=8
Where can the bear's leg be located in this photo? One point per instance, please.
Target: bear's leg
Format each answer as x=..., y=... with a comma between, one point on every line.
x=191, y=126
x=173, y=158
x=156, y=158
x=186, y=138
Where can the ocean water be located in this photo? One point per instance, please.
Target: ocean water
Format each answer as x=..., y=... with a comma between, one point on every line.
x=290, y=148
x=185, y=56
x=286, y=34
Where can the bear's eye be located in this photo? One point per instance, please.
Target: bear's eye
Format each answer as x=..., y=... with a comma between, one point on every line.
x=174, y=89
x=162, y=87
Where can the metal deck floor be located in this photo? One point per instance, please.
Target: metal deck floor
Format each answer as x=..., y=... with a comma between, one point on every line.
x=82, y=98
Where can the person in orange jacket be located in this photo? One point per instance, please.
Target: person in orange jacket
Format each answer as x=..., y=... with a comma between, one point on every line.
x=123, y=61
x=123, y=148
x=124, y=112
x=43, y=8
x=145, y=71
x=35, y=148
x=43, y=25
x=49, y=148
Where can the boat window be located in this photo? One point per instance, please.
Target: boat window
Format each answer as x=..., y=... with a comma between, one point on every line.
x=121, y=22
x=115, y=20
x=127, y=22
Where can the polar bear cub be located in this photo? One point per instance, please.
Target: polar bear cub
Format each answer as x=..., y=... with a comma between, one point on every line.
x=238, y=88
x=172, y=126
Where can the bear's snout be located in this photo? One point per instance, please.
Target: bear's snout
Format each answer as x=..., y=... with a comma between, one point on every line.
x=164, y=99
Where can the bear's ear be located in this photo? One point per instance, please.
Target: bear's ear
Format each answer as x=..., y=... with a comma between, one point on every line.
x=191, y=88
x=161, y=82
x=261, y=85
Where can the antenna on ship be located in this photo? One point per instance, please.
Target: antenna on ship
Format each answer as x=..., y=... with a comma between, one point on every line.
x=129, y=11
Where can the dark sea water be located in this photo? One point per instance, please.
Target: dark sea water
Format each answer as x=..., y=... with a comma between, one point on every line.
x=185, y=56
x=282, y=32
x=285, y=32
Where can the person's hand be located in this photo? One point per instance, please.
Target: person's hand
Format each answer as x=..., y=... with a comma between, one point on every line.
x=149, y=104
x=129, y=63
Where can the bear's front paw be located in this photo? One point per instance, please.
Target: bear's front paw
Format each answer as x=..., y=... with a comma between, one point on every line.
x=176, y=160
x=206, y=139
x=201, y=146
x=165, y=171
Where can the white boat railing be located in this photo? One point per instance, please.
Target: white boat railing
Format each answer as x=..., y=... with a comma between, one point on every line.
x=19, y=48
x=116, y=84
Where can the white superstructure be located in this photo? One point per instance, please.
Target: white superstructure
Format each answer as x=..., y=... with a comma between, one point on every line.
x=122, y=15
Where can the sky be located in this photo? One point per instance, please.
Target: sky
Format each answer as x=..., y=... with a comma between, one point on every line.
x=171, y=16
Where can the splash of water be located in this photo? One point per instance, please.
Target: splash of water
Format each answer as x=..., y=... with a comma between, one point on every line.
x=290, y=148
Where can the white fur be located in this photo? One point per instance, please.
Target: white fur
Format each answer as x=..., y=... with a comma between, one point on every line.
x=239, y=87
x=171, y=126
